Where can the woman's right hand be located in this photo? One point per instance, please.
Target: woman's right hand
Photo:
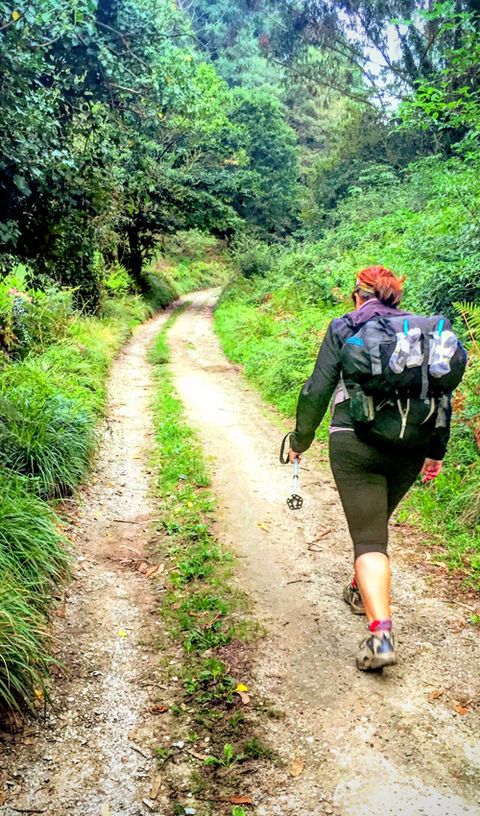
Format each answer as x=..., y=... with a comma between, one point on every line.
x=294, y=456
x=431, y=469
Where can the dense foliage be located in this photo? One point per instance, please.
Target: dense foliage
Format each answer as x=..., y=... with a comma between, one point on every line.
x=114, y=132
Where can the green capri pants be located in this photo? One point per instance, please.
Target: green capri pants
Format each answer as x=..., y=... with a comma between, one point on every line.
x=371, y=483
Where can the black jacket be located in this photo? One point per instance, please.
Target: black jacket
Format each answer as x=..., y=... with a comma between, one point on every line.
x=318, y=390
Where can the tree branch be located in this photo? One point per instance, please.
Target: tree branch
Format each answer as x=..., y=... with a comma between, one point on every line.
x=117, y=87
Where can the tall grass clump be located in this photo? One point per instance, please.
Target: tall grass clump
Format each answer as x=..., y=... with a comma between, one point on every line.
x=34, y=561
x=44, y=434
x=50, y=402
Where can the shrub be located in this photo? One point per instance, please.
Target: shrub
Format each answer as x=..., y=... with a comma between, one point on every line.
x=253, y=257
x=161, y=291
x=31, y=319
x=117, y=282
x=43, y=433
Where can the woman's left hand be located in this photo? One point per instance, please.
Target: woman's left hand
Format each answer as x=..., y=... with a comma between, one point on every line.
x=294, y=456
x=431, y=469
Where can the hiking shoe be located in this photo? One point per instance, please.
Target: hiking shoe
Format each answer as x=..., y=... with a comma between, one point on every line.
x=376, y=651
x=351, y=596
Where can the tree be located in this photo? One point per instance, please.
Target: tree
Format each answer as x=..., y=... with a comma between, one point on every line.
x=109, y=121
x=270, y=199
x=392, y=44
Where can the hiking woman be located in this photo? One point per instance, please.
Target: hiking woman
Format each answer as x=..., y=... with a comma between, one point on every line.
x=371, y=478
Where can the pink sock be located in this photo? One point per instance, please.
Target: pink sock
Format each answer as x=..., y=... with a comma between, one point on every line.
x=380, y=625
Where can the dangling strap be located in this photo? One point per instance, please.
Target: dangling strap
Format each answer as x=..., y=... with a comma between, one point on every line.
x=426, y=357
x=284, y=457
x=344, y=387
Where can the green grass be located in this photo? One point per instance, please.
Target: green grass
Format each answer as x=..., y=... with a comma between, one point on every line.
x=198, y=605
x=34, y=562
x=204, y=615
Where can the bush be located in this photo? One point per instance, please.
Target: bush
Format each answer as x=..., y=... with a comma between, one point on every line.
x=31, y=319
x=253, y=257
x=191, y=244
x=117, y=282
x=44, y=434
x=161, y=291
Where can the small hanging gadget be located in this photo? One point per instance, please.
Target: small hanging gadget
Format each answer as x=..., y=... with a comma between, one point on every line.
x=295, y=501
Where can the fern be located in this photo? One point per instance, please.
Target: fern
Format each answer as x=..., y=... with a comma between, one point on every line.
x=470, y=313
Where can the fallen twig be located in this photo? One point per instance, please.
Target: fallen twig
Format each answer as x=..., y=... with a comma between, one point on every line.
x=320, y=536
x=465, y=606
x=301, y=581
x=140, y=751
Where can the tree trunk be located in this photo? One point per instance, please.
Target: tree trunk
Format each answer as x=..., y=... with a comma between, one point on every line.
x=134, y=261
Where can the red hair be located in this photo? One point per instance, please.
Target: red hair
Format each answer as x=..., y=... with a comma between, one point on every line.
x=381, y=282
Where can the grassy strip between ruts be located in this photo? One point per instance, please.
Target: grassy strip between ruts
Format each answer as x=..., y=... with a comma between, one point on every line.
x=211, y=762
x=49, y=406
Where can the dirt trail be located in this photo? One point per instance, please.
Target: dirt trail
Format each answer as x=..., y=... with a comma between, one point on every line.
x=93, y=754
x=371, y=745
x=364, y=745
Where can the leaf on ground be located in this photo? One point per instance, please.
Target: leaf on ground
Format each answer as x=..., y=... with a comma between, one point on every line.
x=158, y=708
x=151, y=571
x=263, y=526
x=434, y=695
x=296, y=767
x=155, y=786
x=142, y=567
x=122, y=633
x=238, y=800
x=459, y=708
x=241, y=687
x=195, y=754
x=245, y=698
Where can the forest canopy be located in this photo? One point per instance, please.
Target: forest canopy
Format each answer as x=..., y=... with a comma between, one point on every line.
x=125, y=121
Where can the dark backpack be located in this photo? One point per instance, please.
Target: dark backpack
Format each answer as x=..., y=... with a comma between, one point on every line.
x=398, y=373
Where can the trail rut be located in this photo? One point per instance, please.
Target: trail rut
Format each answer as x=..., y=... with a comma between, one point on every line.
x=93, y=754
x=369, y=745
